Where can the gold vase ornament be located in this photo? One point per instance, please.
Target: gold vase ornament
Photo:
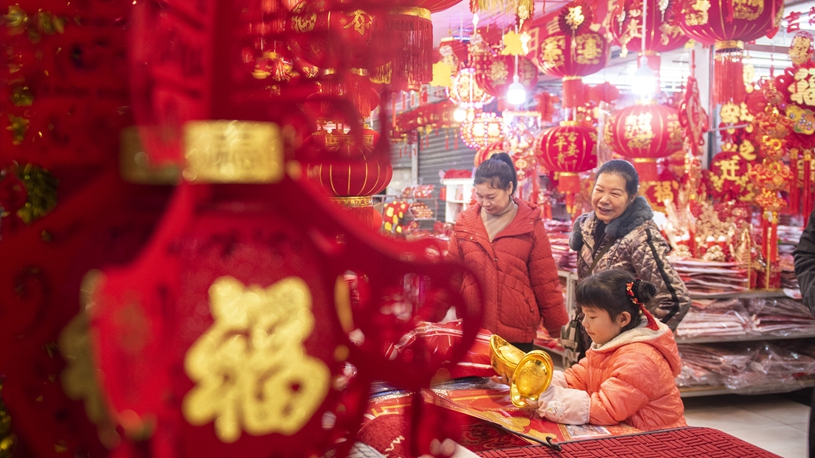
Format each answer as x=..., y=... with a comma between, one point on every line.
x=528, y=374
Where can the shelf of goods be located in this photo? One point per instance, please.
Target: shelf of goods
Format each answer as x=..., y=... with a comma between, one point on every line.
x=458, y=195
x=751, y=342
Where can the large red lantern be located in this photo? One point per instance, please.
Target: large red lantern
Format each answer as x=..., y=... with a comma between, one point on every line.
x=727, y=24
x=353, y=171
x=568, y=149
x=644, y=133
x=485, y=152
x=330, y=39
x=572, y=52
x=661, y=34
x=496, y=73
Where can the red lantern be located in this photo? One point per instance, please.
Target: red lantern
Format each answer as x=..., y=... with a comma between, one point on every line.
x=572, y=52
x=486, y=152
x=727, y=24
x=353, y=172
x=330, y=39
x=644, y=133
x=496, y=73
x=568, y=149
x=661, y=33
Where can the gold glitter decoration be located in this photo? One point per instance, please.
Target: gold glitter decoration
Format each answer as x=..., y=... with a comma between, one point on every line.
x=250, y=368
x=233, y=152
x=7, y=438
x=18, y=126
x=41, y=187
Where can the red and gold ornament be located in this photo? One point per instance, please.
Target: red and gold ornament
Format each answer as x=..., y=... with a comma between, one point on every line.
x=644, y=133
x=568, y=149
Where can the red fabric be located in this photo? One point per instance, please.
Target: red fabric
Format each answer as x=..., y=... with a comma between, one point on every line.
x=443, y=338
x=631, y=379
x=519, y=259
x=685, y=442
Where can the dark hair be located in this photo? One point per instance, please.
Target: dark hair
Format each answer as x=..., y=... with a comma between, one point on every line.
x=624, y=169
x=499, y=171
x=607, y=290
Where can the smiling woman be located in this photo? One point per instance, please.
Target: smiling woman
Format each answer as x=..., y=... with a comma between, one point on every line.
x=620, y=233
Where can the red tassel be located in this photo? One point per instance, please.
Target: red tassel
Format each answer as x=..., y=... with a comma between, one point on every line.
x=728, y=72
x=772, y=234
x=807, y=184
x=793, y=195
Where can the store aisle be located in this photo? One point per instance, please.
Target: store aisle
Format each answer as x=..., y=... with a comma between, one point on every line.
x=771, y=422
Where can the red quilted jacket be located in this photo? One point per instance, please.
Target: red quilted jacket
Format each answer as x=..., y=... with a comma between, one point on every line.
x=517, y=272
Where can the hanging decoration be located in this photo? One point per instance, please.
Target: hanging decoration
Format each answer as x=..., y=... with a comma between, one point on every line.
x=466, y=92
x=403, y=44
x=494, y=73
x=728, y=176
x=661, y=34
x=522, y=9
x=572, y=51
x=692, y=117
x=567, y=149
x=727, y=24
x=484, y=129
x=644, y=133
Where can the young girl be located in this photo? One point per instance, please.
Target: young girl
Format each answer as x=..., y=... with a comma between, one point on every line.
x=628, y=373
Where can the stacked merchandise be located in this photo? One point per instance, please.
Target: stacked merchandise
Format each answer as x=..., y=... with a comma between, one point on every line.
x=780, y=316
x=746, y=367
x=722, y=317
x=711, y=278
x=559, y=233
x=788, y=240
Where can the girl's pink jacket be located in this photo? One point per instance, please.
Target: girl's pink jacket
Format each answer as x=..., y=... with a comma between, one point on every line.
x=631, y=379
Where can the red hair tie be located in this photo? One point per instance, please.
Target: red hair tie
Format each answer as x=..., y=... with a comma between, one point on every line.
x=632, y=295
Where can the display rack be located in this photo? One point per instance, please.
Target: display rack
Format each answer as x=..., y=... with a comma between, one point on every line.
x=697, y=391
x=458, y=195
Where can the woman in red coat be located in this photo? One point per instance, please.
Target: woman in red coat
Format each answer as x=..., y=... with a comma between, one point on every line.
x=502, y=239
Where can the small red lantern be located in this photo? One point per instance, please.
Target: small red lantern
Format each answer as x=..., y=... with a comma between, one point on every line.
x=644, y=133
x=568, y=149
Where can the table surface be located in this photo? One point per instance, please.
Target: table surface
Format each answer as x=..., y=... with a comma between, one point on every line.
x=687, y=442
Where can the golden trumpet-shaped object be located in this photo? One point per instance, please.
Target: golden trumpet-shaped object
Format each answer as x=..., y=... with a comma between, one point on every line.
x=528, y=374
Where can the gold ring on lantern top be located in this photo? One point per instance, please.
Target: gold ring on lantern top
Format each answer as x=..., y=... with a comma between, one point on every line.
x=223, y=151
x=423, y=13
x=528, y=374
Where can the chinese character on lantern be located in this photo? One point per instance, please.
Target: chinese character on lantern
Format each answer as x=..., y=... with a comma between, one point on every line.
x=803, y=89
x=638, y=130
x=792, y=21
x=588, y=50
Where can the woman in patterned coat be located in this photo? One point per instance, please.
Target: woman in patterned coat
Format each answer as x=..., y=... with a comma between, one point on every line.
x=620, y=234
